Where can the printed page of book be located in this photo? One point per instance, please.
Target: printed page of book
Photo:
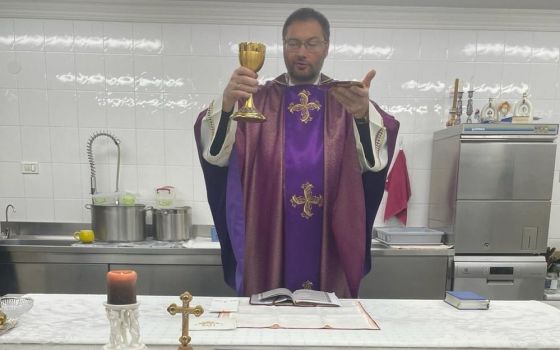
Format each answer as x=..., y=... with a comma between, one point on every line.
x=351, y=315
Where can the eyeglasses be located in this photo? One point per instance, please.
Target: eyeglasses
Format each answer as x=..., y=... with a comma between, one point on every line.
x=311, y=45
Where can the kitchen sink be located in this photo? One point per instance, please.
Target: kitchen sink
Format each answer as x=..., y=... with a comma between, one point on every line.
x=57, y=241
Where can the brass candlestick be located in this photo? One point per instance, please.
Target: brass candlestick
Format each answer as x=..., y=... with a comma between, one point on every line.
x=452, y=120
x=185, y=311
x=251, y=55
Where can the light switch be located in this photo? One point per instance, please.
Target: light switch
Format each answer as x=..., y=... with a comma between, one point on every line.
x=29, y=167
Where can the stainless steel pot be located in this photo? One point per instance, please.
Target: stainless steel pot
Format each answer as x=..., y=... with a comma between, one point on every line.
x=172, y=224
x=118, y=223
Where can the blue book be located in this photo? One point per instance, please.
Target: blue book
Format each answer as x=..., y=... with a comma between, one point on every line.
x=466, y=300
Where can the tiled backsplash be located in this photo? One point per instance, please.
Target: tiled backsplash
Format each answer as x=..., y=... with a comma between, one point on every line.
x=61, y=80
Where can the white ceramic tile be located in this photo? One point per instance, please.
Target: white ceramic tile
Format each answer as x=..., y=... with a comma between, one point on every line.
x=128, y=178
x=199, y=191
x=92, y=109
x=432, y=80
x=39, y=185
x=19, y=205
x=268, y=72
x=104, y=179
x=403, y=110
x=546, y=47
x=88, y=36
x=405, y=83
x=378, y=44
x=271, y=36
x=419, y=186
x=29, y=35
x=544, y=110
x=147, y=38
x=178, y=147
x=121, y=110
x=150, y=177
x=231, y=36
x=406, y=44
x=32, y=70
x=33, y=107
x=63, y=108
x=201, y=214
x=67, y=182
x=430, y=115
x=544, y=83
x=90, y=72
x=516, y=80
x=554, y=242
x=59, y=36
x=128, y=146
x=554, y=226
x=181, y=178
x=556, y=188
x=347, y=44
x=35, y=144
x=119, y=71
x=177, y=74
x=10, y=139
x=150, y=147
x=490, y=46
x=148, y=73
x=207, y=76
x=176, y=39
x=117, y=37
x=11, y=180
x=149, y=111
x=68, y=210
x=205, y=40
x=9, y=68
x=65, y=146
x=6, y=34
x=177, y=111
x=518, y=46
x=488, y=77
x=434, y=44
x=39, y=210
x=348, y=70
x=462, y=45
x=461, y=70
x=380, y=86
x=417, y=215
x=60, y=71
x=421, y=154
x=9, y=107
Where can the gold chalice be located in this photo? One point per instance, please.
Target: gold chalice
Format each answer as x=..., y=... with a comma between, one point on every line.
x=251, y=55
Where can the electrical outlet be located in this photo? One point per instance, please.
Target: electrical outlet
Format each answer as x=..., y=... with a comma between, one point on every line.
x=29, y=167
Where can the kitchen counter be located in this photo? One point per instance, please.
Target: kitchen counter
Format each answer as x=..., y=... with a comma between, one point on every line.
x=65, y=266
x=79, y=322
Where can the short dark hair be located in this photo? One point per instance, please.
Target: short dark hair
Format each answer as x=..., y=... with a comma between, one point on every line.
x=306, y=14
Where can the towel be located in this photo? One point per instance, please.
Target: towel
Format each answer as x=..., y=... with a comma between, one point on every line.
x=398, y=190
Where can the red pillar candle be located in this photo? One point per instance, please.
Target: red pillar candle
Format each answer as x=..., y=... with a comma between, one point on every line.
x=121, y=287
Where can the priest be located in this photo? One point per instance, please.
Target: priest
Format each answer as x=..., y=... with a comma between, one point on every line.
x=294, y=198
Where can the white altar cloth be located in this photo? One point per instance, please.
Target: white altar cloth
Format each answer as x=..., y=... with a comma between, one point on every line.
x=74, y=321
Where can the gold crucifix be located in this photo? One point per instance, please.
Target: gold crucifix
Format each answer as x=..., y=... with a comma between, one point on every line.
x=185, y=310
x=304, y=106
x=307, y=285
x=307, y=200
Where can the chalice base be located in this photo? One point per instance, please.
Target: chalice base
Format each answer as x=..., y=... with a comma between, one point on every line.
x=248, y=114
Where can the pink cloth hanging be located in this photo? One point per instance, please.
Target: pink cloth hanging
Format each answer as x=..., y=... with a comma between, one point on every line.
x=398, y=190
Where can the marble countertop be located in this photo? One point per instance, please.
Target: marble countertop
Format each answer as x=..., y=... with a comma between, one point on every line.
x=79, y=322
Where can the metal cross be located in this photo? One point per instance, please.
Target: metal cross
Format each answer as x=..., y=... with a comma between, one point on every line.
x=307, y=200
x=185, y=310
x=307, y=285
x=304, y=106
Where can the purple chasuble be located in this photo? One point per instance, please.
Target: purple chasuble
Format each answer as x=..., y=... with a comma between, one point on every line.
x=303, y=184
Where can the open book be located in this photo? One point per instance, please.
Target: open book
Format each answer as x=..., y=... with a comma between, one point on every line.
x=300, y=297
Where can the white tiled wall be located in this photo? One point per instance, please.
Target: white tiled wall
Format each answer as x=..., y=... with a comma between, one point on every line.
x=145, y=82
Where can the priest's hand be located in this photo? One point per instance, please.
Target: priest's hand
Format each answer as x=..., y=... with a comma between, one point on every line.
x=355, y=99
x=241, y=85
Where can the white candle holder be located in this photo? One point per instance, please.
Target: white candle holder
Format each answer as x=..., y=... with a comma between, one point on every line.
x=125, y=328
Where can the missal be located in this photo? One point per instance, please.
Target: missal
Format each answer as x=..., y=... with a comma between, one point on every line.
x=466, y=300
x=300, y=297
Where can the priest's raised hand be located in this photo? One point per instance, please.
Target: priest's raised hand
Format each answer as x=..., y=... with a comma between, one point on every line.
x=355, y=99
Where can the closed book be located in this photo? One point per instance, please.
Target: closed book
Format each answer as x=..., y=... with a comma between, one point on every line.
x=467, y=300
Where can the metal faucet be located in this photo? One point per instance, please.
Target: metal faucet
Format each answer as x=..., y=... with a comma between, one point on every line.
x=6, y=231
x=89, y=149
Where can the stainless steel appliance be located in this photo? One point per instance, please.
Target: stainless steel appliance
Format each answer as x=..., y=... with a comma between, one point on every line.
x=118, y=223
x=491, y=186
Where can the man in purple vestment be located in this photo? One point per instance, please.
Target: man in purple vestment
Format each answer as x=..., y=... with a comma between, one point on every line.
x=294, y=198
